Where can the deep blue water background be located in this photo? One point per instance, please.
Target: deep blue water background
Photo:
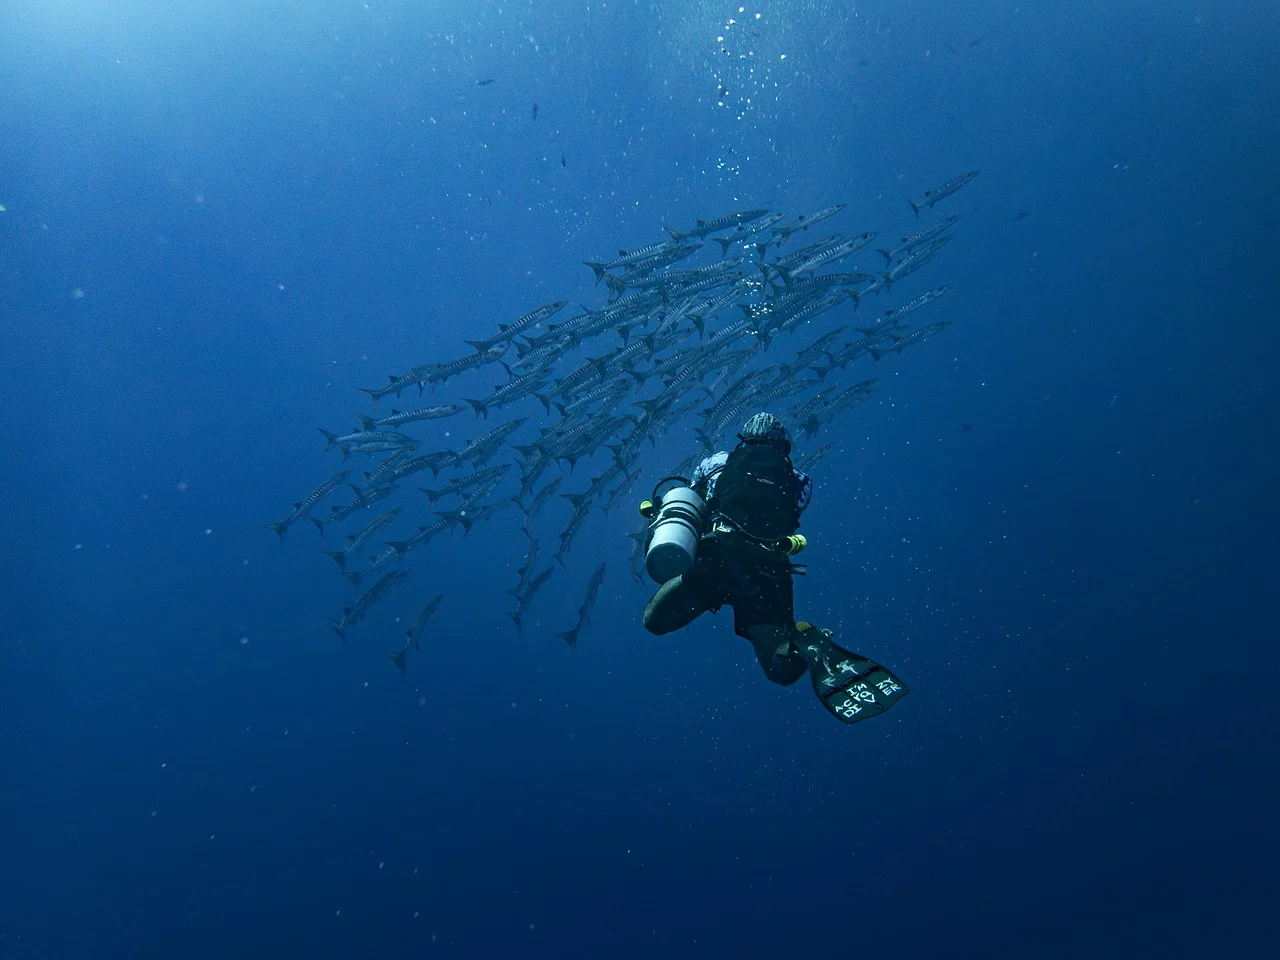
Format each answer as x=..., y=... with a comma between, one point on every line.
x=264, y=210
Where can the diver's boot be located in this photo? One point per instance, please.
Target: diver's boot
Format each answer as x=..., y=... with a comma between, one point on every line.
x=849, y=686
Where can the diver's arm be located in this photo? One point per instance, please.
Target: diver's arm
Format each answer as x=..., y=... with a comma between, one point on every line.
x=702, y=475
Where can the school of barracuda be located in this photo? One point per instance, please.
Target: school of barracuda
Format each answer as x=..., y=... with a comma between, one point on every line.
x=754, y=328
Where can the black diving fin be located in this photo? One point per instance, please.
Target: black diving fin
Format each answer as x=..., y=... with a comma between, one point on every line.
x=849, y=686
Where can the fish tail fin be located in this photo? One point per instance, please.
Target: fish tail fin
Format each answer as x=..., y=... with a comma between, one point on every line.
x=339, y=557
x=480, y=407
x=339, y=629
x=373, y=394
x=916, y=207
x=355, y=576
x=725, y=244
x=480, y=345
x=577, y=499
x=401, y=547
x=888, y=255
x=675, y=234
x=398, y=659
x=598, y=268
x=515, y=617
x=528, y=450
x=367, y=423
x=280, y=529
x=330, y=438
x=545, y=399
x=876, y=354
x=319, y=525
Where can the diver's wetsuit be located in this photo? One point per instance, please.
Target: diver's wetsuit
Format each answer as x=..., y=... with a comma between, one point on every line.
x=736, y=568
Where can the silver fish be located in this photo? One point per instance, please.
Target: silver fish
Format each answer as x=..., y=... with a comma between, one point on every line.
x=304, y=506
x=584, y=611
x=912, y=240
x=705, y=227
x=398, y=417
x=414, y=634
x=526, y=598
x=363, y=603
x=509, y=331
x=783, y=234
x=461, y=484
x=945, y=190
x=398, y=548
x=918, y=335
x=356, y=541
x=914, y=261
x=895, y=316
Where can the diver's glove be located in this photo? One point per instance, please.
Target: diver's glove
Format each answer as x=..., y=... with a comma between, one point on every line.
x=790, y=546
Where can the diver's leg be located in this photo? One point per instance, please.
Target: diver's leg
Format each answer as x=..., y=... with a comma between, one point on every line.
x=676, y=604
x=767, y=618
x=777, y=657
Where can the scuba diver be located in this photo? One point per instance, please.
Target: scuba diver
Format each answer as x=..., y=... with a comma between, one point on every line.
x=727, y=537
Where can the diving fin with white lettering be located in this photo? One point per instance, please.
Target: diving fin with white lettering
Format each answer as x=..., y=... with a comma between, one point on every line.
x=849, y=686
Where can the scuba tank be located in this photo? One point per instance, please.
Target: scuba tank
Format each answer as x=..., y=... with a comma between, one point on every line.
x=678, y=520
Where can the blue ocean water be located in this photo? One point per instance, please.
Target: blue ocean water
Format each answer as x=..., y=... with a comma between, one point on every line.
x=219, y=221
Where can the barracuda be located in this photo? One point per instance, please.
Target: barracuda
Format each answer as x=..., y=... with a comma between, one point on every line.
x=945, y=190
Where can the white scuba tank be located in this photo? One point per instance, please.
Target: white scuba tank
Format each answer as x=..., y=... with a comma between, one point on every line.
x=676, y=531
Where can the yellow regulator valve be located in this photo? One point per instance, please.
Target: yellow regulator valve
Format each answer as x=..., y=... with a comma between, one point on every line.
x=791, y=545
